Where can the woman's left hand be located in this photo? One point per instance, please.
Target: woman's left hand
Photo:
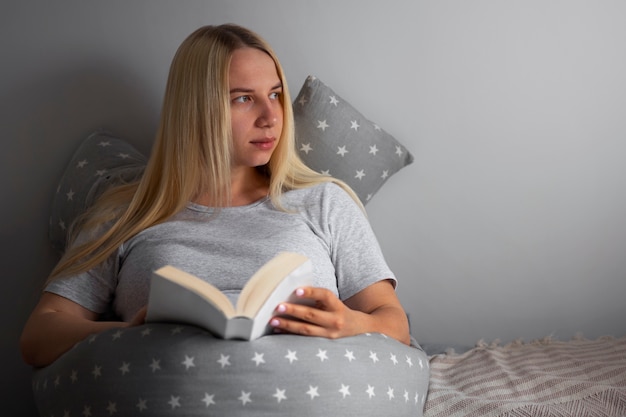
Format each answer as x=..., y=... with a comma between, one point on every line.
x=374, y=309
x=324, y=316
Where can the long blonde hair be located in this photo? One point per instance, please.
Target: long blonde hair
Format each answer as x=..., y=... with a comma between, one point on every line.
x=192, y=150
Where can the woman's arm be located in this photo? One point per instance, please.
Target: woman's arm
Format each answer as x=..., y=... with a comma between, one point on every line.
x=375, y=309
x=55, y=325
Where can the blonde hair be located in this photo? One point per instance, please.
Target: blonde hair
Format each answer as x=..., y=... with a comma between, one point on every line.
x=192, y=150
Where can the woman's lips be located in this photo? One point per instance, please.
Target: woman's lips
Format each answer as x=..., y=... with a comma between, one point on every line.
x=264, y=144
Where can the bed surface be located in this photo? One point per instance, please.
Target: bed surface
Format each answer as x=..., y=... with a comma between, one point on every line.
x=542, y=378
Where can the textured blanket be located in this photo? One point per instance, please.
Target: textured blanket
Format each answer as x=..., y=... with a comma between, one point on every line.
x=541, y=378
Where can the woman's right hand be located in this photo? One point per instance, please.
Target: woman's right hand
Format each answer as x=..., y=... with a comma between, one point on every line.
x=140, y=317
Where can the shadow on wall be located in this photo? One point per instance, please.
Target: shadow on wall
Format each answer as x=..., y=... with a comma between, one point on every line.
x=43, y=122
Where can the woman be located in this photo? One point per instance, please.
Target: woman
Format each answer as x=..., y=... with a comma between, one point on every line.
x=222, y=193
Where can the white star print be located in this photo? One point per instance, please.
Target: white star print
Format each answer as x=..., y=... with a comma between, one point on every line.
x=177, y=330
x=155, y=365
x=74, y=376
x=302, y=101
x=369, y=197
x=322, y=355
x=321, y=124
x=306, y=148
x=376, y=127
x=104, y=143
x=81, y=164
x=360, y=174
x=312, y=392
x=341, y=150
x=355, y=125
x=70, y=195
x=142, y=404
x=116, y=335
x=112, y=408
x=188, y=362
x=123, y=155
x=399, y=151
x=325, y=172
x=373, y=150
x=258, y=358
x=125, y=368
x=100, y=172
x=385, y=174
x=62, y=224
x=280, y=395
x=174, y=402
x=409, y=361
x=244, y=398
x=146, y=331
x=334, y=101
x=291, y=355
x=211, y=399
x=208, y=399
x=224, y=360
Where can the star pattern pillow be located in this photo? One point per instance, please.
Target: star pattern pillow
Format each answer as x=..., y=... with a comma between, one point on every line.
x=334, y=138
x=161, y=369
x=102, y=160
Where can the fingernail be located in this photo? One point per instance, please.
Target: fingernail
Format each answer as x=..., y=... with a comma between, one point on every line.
x=299, y=292
x=281, y=308
x=274, y=322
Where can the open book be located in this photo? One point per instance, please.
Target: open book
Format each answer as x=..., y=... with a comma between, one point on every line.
x=179, y=297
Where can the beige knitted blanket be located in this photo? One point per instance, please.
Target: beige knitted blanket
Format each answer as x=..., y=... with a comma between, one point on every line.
x=542, y=378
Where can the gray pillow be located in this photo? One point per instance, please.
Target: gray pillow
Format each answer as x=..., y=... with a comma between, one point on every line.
x=166, y=369
x=101, y=160
x=334, y=138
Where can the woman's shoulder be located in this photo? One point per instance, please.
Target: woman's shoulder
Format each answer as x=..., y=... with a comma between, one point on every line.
x=317, y=192
x=320, y=198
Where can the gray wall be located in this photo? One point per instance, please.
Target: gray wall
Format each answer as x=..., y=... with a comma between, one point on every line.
x=509, y=223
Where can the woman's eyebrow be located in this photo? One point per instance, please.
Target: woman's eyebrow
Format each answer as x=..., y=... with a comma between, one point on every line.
x=251, y=90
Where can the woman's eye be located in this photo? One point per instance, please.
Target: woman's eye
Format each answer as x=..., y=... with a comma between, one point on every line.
x=275, y=96
x=242, y=99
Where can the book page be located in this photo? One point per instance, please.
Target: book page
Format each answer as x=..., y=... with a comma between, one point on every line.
x=259, y=288
x=202, y=288
x=284, y=292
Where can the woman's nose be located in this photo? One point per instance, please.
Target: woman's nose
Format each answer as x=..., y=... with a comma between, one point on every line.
x=269, y=114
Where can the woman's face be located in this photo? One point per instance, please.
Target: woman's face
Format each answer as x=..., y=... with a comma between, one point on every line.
x=256, y=107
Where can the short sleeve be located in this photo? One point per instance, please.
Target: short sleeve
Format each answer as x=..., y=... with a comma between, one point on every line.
x=354, y=248
x=93, y=289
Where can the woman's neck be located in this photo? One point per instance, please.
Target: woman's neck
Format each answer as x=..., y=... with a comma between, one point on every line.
x=246, y=188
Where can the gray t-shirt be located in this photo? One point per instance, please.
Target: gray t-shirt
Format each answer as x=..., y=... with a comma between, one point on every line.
x=323, y=223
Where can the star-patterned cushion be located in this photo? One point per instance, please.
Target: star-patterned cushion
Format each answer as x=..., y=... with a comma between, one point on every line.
x=101, y=161
x=334, y=138
x=167, y=369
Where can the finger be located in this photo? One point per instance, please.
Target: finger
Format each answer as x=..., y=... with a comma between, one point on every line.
x=320, y=297
x=287, y=325
x=305, y=313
